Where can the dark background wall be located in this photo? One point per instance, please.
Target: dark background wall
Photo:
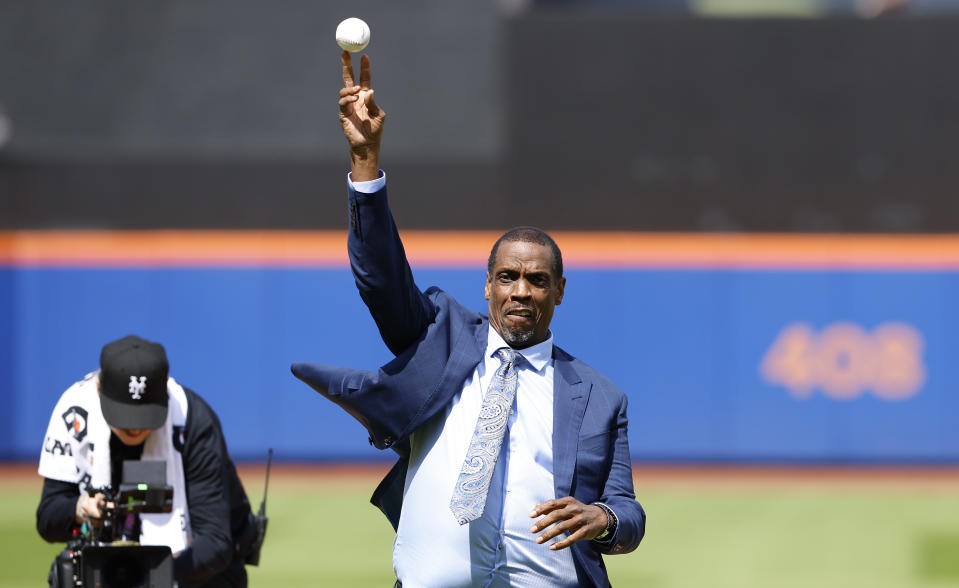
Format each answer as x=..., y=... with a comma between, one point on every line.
x=222, y=116
x=108, y=81
x=693, y=124
x=223, y=113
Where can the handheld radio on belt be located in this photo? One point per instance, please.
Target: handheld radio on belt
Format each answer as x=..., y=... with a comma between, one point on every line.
x=261, y=519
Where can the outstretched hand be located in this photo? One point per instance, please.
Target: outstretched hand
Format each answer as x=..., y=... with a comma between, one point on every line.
x=568, y=515
x=362, y=120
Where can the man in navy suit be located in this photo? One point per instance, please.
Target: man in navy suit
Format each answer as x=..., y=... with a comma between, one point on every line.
x=530, y=492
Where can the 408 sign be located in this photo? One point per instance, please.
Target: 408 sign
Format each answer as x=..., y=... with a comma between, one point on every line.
x=845, y=361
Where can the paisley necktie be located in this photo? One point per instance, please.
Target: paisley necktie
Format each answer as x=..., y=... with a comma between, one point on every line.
x=472, y=486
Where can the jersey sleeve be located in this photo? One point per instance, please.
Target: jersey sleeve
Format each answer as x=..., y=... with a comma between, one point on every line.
x=58, y=455
x=56, y=516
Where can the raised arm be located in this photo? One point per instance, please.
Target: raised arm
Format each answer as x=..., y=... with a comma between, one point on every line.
x=383, y=276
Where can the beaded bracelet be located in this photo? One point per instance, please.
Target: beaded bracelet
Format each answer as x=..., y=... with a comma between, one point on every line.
x=611, y=523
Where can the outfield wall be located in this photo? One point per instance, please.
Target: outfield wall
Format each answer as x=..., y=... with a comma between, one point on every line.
x=731, y=348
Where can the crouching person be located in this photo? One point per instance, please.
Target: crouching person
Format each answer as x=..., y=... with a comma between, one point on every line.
x=130, y=409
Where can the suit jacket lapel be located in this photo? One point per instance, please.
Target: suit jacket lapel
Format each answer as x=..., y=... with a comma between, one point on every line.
x=466, y=351
x=569, y=405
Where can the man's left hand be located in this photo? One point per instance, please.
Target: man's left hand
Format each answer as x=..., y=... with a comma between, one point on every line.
x=568, y=515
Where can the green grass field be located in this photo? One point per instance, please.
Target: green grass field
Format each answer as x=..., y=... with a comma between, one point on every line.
x=324, y=533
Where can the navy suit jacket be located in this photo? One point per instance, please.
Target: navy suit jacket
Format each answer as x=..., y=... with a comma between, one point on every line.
x=438, y=344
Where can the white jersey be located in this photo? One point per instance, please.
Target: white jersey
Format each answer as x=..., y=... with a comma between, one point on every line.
x=76, y=449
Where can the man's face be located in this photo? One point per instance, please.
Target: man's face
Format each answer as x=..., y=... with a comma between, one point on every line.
x=522, y=292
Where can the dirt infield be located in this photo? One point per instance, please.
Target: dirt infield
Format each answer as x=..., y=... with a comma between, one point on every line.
x=367, y=475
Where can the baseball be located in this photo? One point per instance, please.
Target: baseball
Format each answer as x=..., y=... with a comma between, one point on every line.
x=353, y=34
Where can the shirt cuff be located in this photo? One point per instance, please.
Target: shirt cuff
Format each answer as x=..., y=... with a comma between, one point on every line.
x=369, y=186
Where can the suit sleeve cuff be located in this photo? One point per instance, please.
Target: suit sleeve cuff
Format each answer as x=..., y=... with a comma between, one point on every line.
x=369, y=186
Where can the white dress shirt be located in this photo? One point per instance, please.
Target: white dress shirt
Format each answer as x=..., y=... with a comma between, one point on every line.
x=431, y=549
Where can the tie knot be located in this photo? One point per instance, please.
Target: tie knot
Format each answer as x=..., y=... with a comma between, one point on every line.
x=506, y=355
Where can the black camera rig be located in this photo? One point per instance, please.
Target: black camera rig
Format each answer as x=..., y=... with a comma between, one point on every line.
x=108, y=554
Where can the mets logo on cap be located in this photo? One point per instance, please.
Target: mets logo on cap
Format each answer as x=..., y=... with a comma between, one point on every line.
x=133, y=383
x=137, y=387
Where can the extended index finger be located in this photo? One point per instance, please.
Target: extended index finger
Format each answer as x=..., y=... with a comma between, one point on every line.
x=347, y=69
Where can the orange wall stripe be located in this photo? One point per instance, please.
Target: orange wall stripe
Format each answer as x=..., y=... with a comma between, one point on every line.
x=600, y=250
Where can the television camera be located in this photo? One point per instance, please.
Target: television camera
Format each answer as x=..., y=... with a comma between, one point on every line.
x=109, y=555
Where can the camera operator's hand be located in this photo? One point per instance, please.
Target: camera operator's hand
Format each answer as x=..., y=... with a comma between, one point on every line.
x=90, y=507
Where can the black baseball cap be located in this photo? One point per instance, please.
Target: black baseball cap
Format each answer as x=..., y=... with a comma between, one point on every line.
x=133, y=376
